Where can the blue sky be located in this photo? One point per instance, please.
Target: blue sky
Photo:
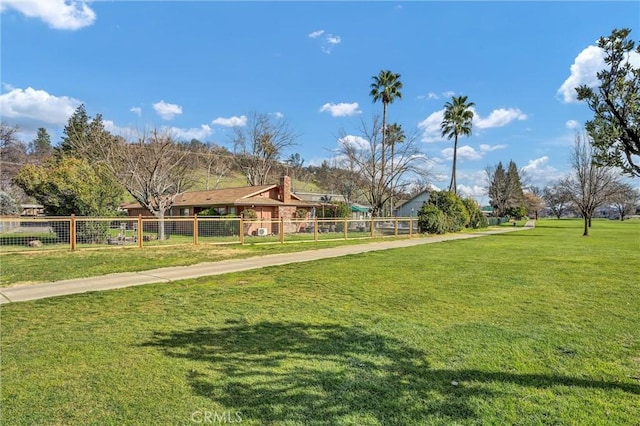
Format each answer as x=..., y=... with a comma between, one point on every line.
x=198, y=68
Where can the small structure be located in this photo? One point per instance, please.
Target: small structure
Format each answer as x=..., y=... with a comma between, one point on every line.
x=412, y=206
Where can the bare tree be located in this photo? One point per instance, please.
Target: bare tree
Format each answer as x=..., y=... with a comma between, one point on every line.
x=154, y=170
x=217, y=162
x=625, y=199
x=364, y=155
x=588, y=185
x=557, y=199
x=13, y=155
x=259, y=145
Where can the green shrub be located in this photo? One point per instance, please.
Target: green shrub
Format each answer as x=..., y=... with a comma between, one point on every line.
x=476, y=218
x=431, y=220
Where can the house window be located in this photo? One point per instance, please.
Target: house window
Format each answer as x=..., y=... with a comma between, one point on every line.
x=222, y=211
x=184, y=211
x=232, y=210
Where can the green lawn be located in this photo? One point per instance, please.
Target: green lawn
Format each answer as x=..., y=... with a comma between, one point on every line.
x=531, y=327
x=19, y=268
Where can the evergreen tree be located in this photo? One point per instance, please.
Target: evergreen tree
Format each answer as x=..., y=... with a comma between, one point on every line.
x=41, y=145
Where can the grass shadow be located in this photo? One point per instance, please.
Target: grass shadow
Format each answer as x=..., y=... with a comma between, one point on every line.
x=328, y=374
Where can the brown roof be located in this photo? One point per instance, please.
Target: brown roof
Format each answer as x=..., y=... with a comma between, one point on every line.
x=243, y=196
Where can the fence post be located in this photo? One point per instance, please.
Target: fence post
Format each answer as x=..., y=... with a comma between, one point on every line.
x=241, y=231
x=315, y=229
x=140, y=237
x=72, y=232
x=281, y=230
x=345, y=228
x=395, y=227
x=411, y=227
x=195, y=230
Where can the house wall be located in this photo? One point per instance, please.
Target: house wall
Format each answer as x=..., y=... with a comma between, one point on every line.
x=415, y=203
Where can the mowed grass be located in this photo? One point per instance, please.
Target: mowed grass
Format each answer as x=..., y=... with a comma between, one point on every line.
x=532, y=327
x=47, y=266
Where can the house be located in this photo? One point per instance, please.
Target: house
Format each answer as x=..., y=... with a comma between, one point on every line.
x=269, y=202
x=412, y=206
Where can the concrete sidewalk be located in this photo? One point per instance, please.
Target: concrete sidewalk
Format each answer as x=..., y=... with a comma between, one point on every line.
x=167, y=275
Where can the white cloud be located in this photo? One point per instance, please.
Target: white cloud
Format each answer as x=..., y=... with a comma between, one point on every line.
x=572, y=124
x=489, y=148
x=341, y=110
x=136, y=110
x=474, y=191
x=539, y=172
x=200, y=133
x=278, y=114
x=58, y=14
x=448, y=94
x=356, y=141
x=327, y=41
x=167, y=111
x=231, y=121
x=37, y=105
x=316, y=34
x=125, y=132
x=498, y=118
x=333, y=39
x=536, y=164
x=178, y=133
x=431, y=127
x=465, y=152
x=429, y=95
x=583, y=71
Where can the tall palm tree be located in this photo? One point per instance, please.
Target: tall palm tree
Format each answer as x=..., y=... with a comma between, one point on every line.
x=456, y=121
x=386, y=87
x=394, y=135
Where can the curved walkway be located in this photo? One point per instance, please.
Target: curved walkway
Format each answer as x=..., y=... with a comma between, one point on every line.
x=167, y=275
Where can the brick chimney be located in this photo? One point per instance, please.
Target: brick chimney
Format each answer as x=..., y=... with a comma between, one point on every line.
x=285, y=189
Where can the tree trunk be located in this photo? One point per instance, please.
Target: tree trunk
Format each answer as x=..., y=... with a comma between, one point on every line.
x=160, y=225
x=453, y=185
x=586, y=227
x=384, y=141
x=589, y=221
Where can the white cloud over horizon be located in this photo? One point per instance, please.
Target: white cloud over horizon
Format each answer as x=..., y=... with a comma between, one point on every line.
x=136, y=110
x=351, y=140
x=166, y=110
x=37, y=105
x=500, y=117
x=538, y=172
x=472, y=191
x=178, y=133
x=200, y=133
x=342, y=109
x=231, y=121
x=465, y=152
x=58, y=14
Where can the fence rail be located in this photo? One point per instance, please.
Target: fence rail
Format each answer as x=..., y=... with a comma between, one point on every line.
x=74, y=233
